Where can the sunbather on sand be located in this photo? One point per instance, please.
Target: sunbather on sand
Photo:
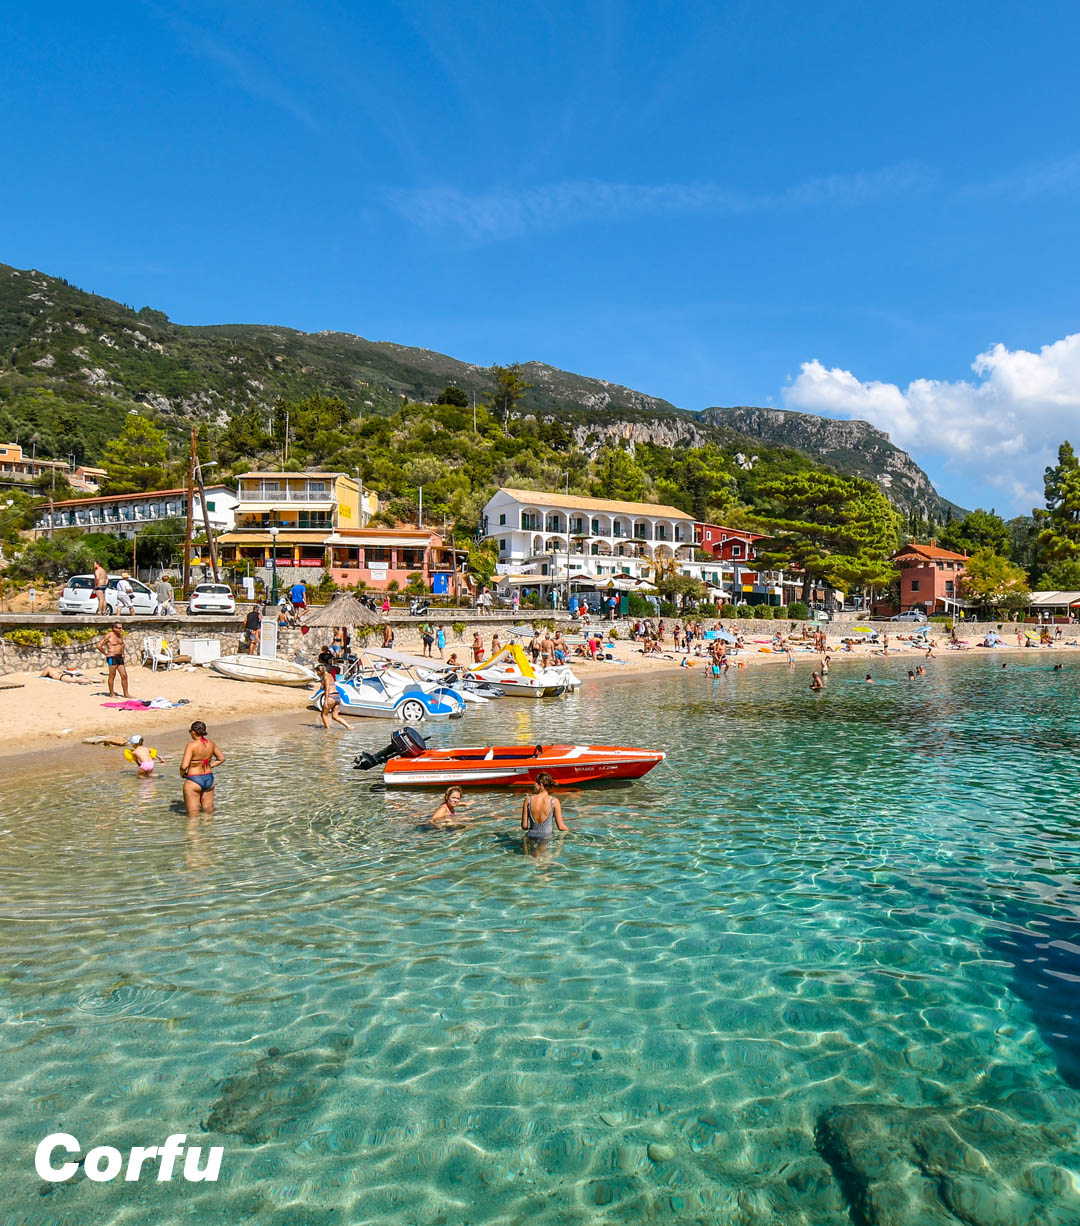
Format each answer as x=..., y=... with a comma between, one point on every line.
x=71, y=676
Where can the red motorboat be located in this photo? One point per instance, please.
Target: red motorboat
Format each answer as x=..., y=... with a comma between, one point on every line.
x=407, y=761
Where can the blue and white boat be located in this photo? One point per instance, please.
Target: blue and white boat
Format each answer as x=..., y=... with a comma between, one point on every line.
x=394, y=693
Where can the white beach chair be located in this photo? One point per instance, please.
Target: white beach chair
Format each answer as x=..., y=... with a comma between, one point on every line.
x=156, y=651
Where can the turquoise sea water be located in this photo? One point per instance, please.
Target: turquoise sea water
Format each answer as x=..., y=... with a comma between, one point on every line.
x=822, y=966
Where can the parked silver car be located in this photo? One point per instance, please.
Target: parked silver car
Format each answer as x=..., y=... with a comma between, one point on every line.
x=912, y=615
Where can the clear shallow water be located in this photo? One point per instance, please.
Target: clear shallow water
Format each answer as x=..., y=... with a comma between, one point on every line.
x=825, y=961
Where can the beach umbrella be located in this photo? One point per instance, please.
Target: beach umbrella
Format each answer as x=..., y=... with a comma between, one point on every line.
x=344, y=610
x=863, y=630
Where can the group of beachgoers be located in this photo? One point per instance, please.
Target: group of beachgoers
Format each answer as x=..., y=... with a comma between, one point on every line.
x=541, y=811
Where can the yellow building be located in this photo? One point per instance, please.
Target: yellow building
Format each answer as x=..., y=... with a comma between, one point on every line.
x=294, y=513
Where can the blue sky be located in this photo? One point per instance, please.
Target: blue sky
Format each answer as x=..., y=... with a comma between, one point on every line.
x=861, y=210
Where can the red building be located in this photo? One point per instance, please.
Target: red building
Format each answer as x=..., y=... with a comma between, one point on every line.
x=929, y=577
x=726, y=544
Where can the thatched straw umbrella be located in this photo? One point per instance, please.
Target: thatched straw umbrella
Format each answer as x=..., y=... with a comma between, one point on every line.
x=344, y=611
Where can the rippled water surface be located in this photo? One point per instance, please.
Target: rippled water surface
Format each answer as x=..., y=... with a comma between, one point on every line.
x=820, y=967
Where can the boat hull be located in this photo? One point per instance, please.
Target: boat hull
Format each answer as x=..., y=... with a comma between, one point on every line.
x=515, y=765
x=265, y=670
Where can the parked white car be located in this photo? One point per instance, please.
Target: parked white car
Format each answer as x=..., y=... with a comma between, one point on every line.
x=211, y=598
x=78, y=597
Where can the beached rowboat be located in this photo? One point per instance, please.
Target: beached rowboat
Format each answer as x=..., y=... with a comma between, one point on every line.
x=264, y=669
x=407, y=761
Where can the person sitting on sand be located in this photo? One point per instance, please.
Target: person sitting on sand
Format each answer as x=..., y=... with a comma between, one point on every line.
x=71, y=676
x=201, y=755
x=446, y=813
x=540, y=811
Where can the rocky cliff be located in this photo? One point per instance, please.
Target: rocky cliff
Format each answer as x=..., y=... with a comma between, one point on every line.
x=853, y=447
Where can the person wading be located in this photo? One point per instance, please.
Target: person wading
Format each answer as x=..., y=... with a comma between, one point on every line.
x=201, y=755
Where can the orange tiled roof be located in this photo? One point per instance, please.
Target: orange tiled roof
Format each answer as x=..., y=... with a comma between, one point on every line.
x=929, y=553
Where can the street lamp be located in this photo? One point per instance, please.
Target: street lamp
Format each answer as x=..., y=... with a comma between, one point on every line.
x=273, y=563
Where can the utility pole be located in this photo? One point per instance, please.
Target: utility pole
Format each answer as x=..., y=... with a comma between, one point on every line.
x=420, y=510
x=206, y=521
x=186, y=582
x=52, y=503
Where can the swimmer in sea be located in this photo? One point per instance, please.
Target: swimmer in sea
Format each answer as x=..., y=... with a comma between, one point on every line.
x=911, y=674
x=446, y=814
x=816, y=682
x=541, y=813
x=869, y=679
x=201, y=755
x=920, y=671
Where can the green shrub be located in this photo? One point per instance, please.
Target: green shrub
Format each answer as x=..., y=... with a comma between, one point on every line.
x=798, y=610
x=708, y=610
x=613, y=633
x=757, y=612
x=780, y=611
x=459, y=629
x=638, y=606
x=85, y=635
x=60, y=638
x=766, y=612
x=364, y=633
x=727, y=610
x=667, y=609
x=26, y=638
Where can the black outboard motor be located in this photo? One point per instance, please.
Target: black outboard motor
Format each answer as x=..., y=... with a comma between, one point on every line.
x=405, y=743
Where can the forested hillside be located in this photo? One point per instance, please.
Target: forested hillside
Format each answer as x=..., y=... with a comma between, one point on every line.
x=73, y=365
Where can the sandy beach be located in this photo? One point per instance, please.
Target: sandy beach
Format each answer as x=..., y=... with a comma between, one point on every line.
x=40, y=715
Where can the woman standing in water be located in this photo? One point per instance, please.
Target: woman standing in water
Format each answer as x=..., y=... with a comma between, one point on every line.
x=541, y=813
x=201, y=755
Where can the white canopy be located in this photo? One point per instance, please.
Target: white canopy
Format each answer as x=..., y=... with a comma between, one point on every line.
x=400, y=657
x=1054, y=600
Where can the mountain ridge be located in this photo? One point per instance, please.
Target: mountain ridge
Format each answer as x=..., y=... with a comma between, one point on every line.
x=99, y=356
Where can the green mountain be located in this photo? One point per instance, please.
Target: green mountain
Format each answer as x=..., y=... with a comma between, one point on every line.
x=74, y=364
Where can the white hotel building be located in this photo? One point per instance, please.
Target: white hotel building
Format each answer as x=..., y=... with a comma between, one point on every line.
x=554, y=535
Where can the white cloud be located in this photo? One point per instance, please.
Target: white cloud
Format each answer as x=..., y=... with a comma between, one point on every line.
x=508, y=213
x=1055, y=178
x=999, y=429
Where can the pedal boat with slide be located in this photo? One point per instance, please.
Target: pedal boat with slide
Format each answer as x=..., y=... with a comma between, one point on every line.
x=407, y=761
x=512, y=670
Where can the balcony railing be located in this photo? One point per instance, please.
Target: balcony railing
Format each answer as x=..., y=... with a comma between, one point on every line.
x=262, y=493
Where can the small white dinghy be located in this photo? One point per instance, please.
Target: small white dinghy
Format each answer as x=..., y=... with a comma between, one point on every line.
x=264, y=669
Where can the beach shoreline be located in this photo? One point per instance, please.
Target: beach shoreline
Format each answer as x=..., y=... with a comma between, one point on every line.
x=43, y=717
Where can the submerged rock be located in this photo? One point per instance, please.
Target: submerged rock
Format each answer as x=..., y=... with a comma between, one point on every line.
x=923, y=1166
x=281, y=1088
